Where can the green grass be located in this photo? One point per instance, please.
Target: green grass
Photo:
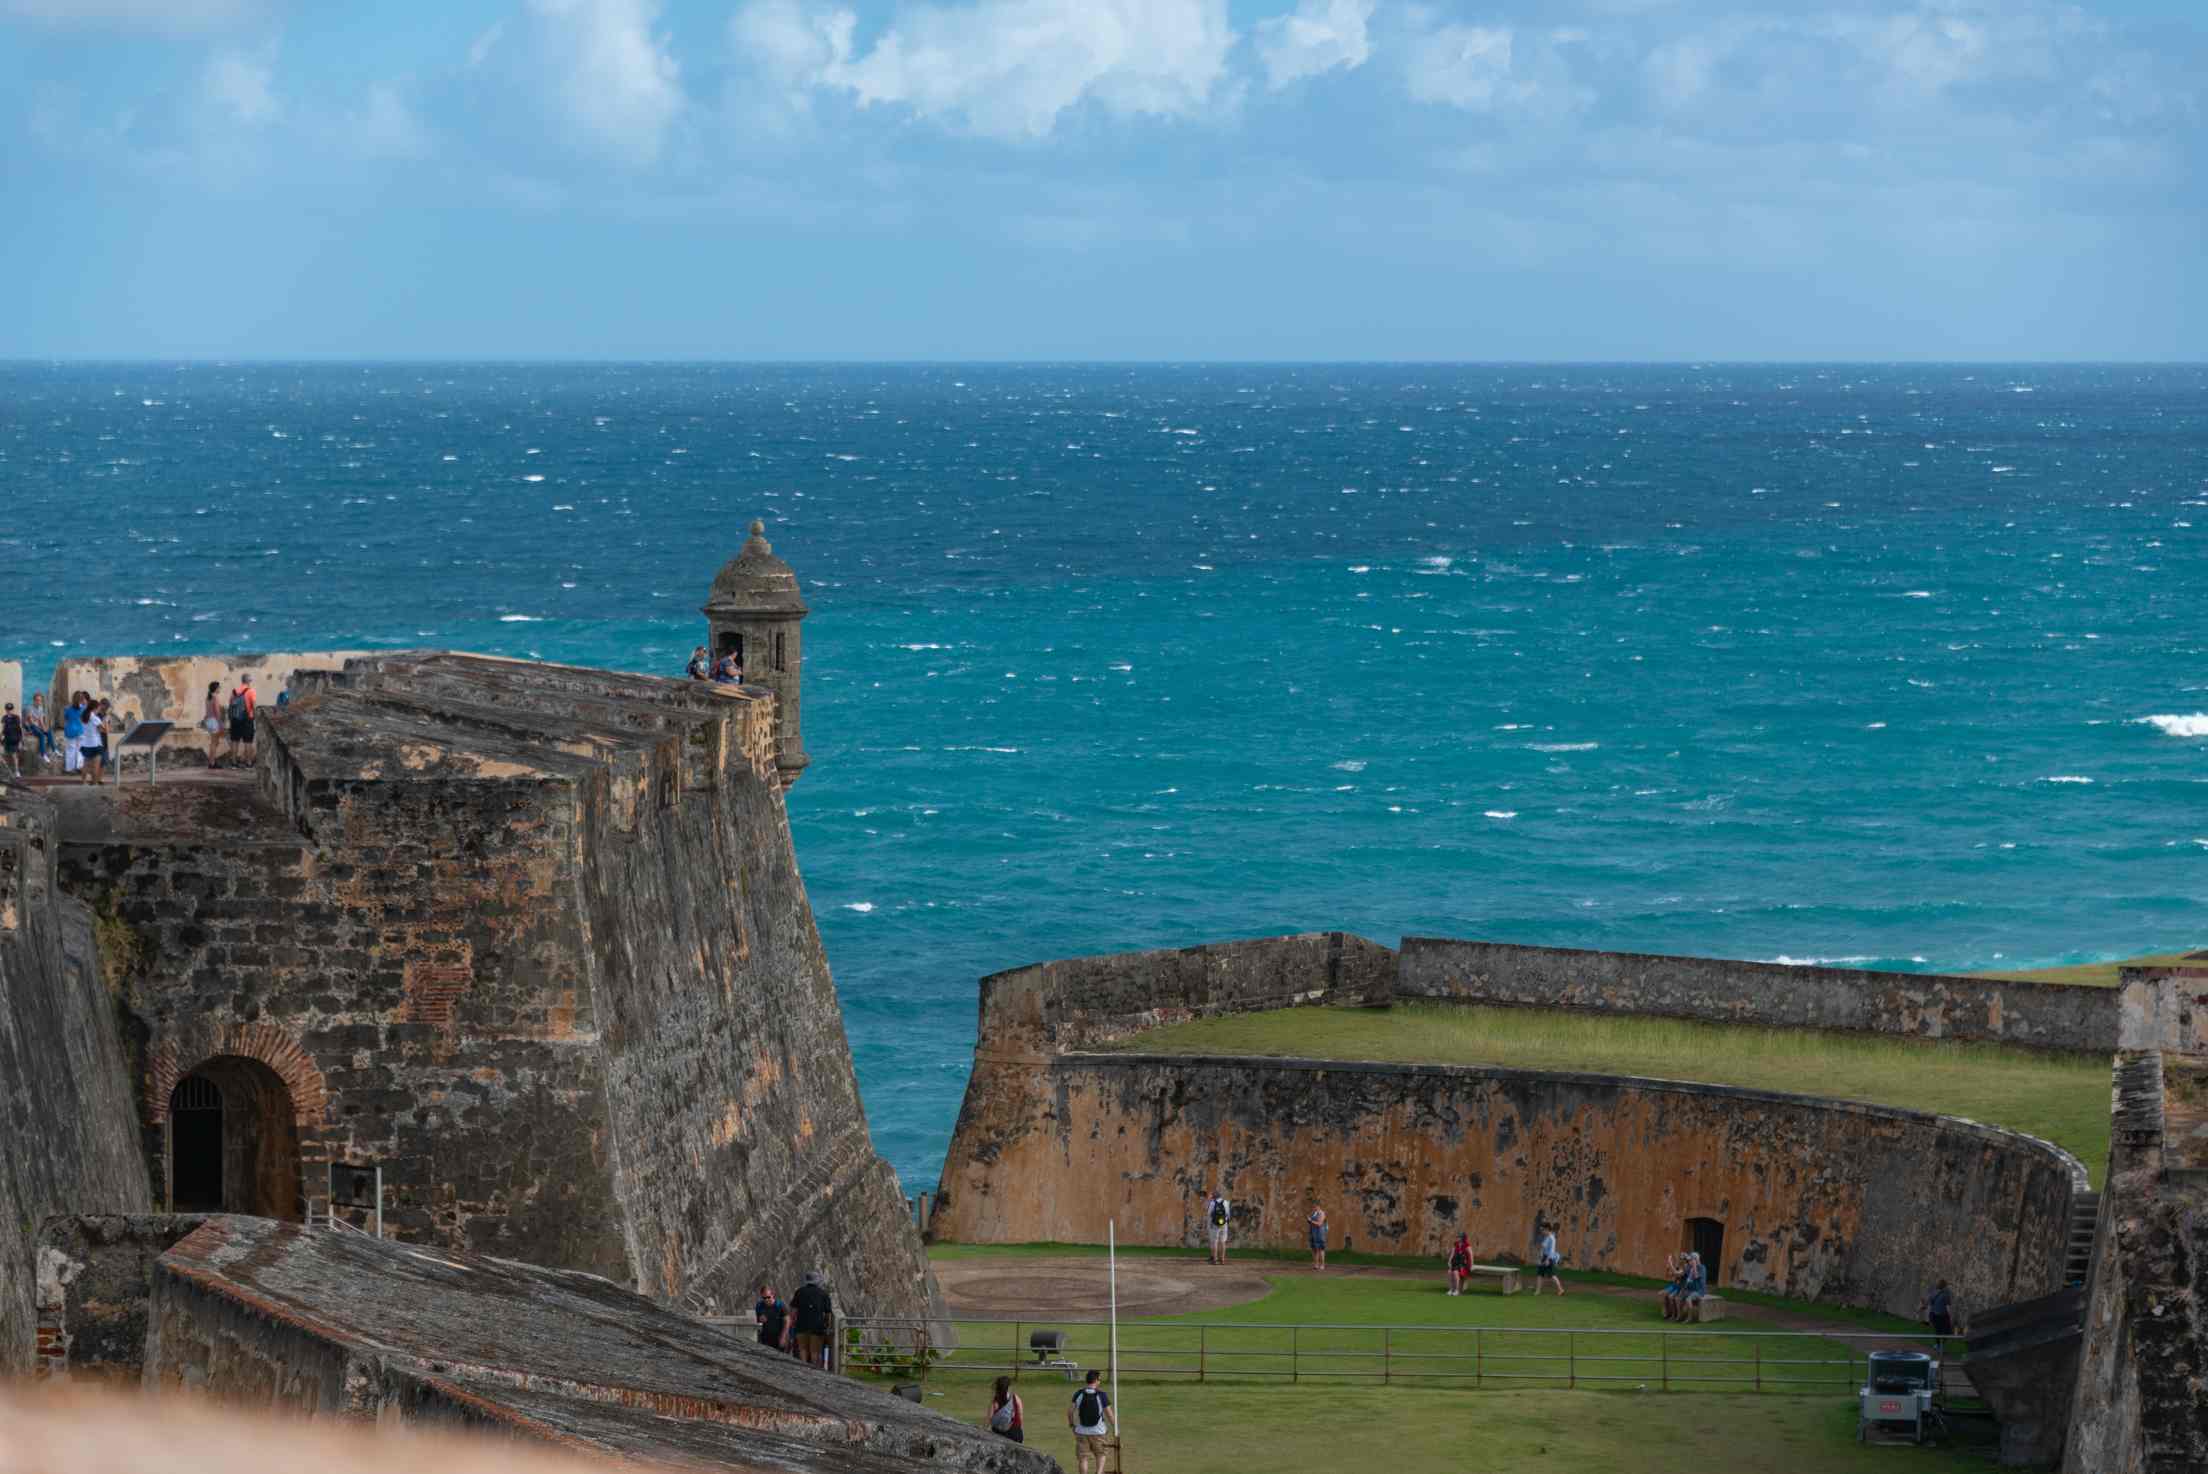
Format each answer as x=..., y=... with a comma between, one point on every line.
x=2087, y=974
x=2063, y=1098
x=1523, y=1416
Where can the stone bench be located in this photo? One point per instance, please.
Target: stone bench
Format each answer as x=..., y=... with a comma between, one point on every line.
x=1709, y=1308
x=1506, y=1273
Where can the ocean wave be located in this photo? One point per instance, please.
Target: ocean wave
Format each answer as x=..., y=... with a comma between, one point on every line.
x=1501, y=814
x=2066, y=778
x=1349, y=765
x=1562, y=746
x=862, y=907
x=521, y=619
x=2194, y=725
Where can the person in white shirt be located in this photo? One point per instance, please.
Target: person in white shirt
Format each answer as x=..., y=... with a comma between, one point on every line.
x=1546, y=1251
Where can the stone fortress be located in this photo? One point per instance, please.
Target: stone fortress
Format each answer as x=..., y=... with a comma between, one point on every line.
x=513, y=963
x=2088, y=1330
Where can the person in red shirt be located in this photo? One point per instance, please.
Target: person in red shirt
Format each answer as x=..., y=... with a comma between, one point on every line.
x=244, y=707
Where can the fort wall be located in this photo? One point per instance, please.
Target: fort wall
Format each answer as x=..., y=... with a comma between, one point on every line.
x=1083, y=1001
x=532, y=940
x=173, y=688
x=68, y=1130
x=1818, y=1200
x=11, y=685
x=2140, y=1406
x=1916, y=1005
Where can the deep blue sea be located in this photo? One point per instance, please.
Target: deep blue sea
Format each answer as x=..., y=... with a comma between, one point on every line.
x=1904, y=666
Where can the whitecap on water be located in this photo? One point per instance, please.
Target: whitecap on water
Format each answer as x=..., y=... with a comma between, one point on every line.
x=532, y=478
x=1875, y=727
x=520, y=619
x=1918, y=594
x=862, y=907
x=1350, y=765
x=2066, y=778
x=1562, y=746
x=1501, y=814
x=2194, y=725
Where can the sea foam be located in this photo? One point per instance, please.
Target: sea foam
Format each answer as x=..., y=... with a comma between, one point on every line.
x=2195, y=725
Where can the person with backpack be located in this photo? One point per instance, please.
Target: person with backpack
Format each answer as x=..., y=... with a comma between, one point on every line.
x=1460, y=1264
x=773, y=1317
x=244, y=707
x=11, y=740
x=1092, y=1421
x=815, y=1314
x=696, y=669
x=1218, y=1213
x=1007, y=1414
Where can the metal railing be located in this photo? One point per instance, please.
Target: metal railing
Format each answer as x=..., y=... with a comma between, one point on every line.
x=1466, y=1356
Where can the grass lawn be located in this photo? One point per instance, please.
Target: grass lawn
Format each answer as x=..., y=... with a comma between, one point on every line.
x=1247, y=1412
x=2063, y=1098
x=2089, y=974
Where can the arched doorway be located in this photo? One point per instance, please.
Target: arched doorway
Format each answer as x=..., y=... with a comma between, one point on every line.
x=1706, y=1236
x=234, y=1141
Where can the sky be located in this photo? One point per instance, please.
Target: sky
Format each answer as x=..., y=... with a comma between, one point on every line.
x=1104, y=179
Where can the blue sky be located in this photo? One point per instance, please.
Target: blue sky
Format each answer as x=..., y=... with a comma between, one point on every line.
x=1104, y=179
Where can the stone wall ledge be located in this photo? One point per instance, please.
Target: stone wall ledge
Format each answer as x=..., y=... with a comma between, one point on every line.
x=1993, y=1136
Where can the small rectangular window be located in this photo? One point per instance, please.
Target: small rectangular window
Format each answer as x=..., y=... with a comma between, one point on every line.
x=780, y=660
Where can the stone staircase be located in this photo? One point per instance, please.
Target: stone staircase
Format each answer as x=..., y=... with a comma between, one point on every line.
x=2077, y=1261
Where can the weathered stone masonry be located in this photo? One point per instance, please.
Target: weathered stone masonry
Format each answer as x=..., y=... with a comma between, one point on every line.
x=68, y=1130
x=532, y=939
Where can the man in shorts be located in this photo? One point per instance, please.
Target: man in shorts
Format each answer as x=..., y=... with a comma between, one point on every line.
x=1545, y=1252
x=815, y=1313
x=1091, y=1417
x=1218, y=1213
x=244, y=709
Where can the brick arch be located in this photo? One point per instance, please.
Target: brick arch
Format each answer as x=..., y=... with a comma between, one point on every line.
x=166, y=1064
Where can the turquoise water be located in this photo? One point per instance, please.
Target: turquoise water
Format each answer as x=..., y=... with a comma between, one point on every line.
x=1903, y=666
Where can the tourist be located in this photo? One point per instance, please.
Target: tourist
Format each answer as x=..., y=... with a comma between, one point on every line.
x=1460, y=1264
x=92, y=749
x=1092, y=1420
x=210, y=721
x=726, y=671
x=773, y=1317
x=1218, y=1213
x=1938, y=1312
x=72, y=735
x=1317, y=1221
x=1546, y=1252
x=1693, y=1288
x=11, y=740
x=244, y=705
x=40, y=727
x=1675, y=1279
x=1007, y=1414
x=815, y=1315
x=697, y=668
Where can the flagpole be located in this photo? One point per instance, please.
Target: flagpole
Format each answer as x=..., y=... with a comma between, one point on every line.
x=1119, y=1419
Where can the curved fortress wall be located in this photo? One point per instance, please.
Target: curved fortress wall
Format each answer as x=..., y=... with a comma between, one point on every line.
x=1815, y=1199
x=531, y=939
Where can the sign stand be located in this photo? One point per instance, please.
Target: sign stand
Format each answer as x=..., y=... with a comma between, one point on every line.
x=147, y=735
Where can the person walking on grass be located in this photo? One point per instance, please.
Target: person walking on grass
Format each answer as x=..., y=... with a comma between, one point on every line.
x=1218, y=1213
x=1317, y=1221
x=1460, y=1264
x=1938, y=1312
x=1092, y=1420
x=1007, y=1414
x=1545, y=1252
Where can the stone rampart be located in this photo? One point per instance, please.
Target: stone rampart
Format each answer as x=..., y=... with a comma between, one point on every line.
x=1818, y=1200
x=11, y=684
x=173, y=688
x=68, y=1132
x=95, y=1280
x=338, y=1324
x=2165, y=1008
x=2142, y=1394
x=531, y=939
x=1916, y=1005
x=1084, y=1001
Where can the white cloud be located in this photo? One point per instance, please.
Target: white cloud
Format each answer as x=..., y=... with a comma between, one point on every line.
x=1317, y=37
x=1006, y=68
x=385, y=127
x=243, y=84
x=618, y=84
x=1467, y=67
x=170, y=16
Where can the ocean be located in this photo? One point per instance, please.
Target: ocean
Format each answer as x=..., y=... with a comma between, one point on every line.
x=1897, y=666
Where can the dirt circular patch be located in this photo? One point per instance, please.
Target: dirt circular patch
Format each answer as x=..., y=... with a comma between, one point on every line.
x=1081, y=1287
